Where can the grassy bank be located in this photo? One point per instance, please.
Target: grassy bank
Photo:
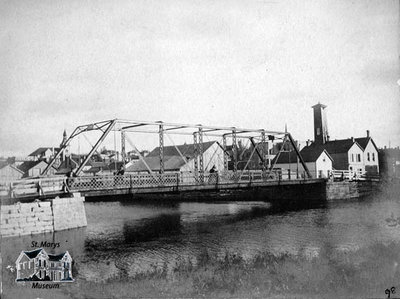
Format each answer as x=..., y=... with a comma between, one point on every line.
x=363, y=273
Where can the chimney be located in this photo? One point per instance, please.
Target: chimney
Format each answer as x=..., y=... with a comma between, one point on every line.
x=308, y=142
x=320, y=124
x=367, y=133
x=352, y=139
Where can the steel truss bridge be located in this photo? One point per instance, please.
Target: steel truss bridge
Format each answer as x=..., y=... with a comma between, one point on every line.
x=160, y=181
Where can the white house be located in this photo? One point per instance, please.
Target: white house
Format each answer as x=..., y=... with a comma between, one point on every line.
x=317, y=160
x=371, y=160
x=37, y=265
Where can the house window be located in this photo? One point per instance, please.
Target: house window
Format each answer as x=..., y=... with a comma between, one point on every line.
x=373, y=156
x=40, y=263
x=358, y=157
x=352, y=157
x=318, y=131
x=44, y=263
x=368, y=157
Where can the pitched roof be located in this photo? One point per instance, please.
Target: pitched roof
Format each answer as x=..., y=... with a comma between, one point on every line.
x=25, y=166
x=41, y=150
x=337, y=146
x=187, y=150
x=172, y=158
x=309, y=154
x=3, y=164
x=363, y=142
x=56, y=258
x=34, y=253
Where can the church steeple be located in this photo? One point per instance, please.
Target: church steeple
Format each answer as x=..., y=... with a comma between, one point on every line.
x=64, y=138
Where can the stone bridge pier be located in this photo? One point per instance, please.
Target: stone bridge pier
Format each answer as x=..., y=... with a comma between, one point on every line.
x=43, y=216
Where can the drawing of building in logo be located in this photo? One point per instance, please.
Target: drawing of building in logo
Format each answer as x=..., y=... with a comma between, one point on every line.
x=38, y=265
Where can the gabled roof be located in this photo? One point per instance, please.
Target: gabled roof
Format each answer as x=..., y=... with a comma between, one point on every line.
x=56, y=258
x=187, y=150
x=3, y=164
x=25, y=166
x=34, y=253
x=338, y=146
x=309, y=154
x=363, y=142
x=42, y=150
x=172, y=158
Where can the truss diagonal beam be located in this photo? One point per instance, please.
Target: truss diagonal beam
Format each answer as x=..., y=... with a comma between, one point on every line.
x=101, y=139
x=298, y=155
x=63, y=147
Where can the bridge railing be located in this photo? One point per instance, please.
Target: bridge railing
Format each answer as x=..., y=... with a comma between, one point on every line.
x=349, y=174
x=59, y=185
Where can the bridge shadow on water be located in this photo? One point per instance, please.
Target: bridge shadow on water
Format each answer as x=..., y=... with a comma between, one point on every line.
x=172, y=223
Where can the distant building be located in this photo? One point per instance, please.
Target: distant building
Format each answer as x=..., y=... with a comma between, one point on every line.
x=371, y=156
x=103, y=168
x=35, y=168
x=347, y=154
x=9, y=172
x=353, y=154
x=70, y=162
x=173, y=161
x=389, y=162
x=44, y=153
x=321, y=135
x=317, y=160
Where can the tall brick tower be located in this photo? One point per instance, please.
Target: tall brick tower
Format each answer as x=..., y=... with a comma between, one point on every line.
x=320, y=124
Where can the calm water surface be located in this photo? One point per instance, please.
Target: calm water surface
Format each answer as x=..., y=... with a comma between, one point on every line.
x=127, y=238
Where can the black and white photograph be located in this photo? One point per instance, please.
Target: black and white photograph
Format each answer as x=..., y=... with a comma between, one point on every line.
x=200, y=149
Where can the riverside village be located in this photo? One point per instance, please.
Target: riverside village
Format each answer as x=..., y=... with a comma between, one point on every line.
x=54, y=192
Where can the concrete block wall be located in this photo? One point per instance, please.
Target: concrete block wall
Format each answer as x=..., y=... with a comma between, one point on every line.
x=42, y=216
x=69, y=212
x=350, y=189
x=26, y=218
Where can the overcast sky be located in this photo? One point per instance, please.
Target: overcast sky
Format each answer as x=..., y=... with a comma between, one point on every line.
x=253, y=63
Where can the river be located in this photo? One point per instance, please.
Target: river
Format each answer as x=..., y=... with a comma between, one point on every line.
x=127, y=241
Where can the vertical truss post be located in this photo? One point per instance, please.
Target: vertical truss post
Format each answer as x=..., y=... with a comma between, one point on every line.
x=234, y=151
x=123, y=151
x=225, y=153
x=264, y=170
x=161, y=143
x=196, y=152
x=201, y=156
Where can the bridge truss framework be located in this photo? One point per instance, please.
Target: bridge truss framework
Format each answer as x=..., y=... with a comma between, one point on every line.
x=164, y=129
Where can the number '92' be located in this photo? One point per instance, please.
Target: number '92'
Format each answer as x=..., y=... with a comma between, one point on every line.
x=390, y=291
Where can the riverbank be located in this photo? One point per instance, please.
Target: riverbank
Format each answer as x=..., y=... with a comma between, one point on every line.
x=333, y=273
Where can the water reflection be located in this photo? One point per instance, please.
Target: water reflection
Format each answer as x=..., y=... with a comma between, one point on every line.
x=125, y=239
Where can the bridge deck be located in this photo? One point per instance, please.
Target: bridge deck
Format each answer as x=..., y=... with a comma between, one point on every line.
x=146, y=183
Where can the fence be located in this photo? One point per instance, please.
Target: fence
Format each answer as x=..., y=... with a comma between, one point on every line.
x=353, y=175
